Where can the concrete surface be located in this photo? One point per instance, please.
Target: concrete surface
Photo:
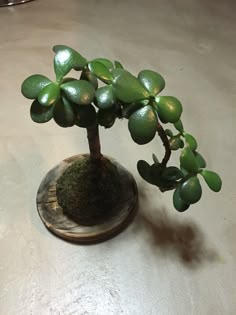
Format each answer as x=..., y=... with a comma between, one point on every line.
x=165, y=263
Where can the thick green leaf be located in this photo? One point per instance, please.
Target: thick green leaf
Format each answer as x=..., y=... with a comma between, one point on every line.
x=169, y=108
x=66, y=59
x=143, y=125
x=144, y=170
x=152, y=81
x=104, y=97
x=212, y=179
x=157, y=179
x=90, y=77
x=107, y=63
x=31, y=86
x=169, y=133
x=63, y=113
x=106, y=117
x=85, y=116
x=191, y=190
x=40, y=114
x=178, y=202
x=179, y=126
x=80, y=91
x=50, y=94
x=175, y=143
x=188, y=160
x=118, y=65
x=127, y=87
x=200, y=160
x=101, y=71
x=171, y=173
x=127, y=111
x=191, y=141
x=155, y=159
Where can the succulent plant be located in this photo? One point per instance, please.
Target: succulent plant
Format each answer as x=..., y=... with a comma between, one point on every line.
x=82, y=102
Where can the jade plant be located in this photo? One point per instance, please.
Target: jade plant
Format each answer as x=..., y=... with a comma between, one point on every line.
x=82, y=102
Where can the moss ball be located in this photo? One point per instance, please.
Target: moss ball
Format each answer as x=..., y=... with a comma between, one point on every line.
x=88, y=191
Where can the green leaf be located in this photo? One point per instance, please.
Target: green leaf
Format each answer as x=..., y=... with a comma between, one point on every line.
x=200, y=160
x=66, y=59
x=181, y=144
x=104, y=97
x=85, y=116
x=171, y=173
x=107, y=63
x=152, y=81
x=50, y=94
x=128, y=88
x=212, y=179
x=63, y=113
x=178, y=202
x=143, y=125
x=179, y=126
x=118, y=65
x=155, y=159
x=169, y=133
x=127, y=111
x=40, y=114
x=188, y=160
x=101, y=71
x=169, y=108
x=175, y=143
x=191, y=190
x=80, y=92
x=90, y=77
x=106, y=117
x=158, y=180
x=144, y=170
x=191, y=141
x=31, y=86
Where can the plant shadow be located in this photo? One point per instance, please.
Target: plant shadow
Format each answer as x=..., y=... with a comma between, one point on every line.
x=170, y=237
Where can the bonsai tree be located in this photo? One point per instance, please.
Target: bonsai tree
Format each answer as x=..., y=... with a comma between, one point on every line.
x=82, y=102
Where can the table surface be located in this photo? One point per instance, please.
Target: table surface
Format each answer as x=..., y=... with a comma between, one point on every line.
x=165, y=262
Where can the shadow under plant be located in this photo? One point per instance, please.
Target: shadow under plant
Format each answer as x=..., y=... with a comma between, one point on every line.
x=173, y=238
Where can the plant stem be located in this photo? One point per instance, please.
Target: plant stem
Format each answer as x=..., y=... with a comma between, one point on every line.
x=94, y=143
x=165, y=142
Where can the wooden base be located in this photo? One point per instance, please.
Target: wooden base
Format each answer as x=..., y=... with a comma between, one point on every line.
x=57, y=222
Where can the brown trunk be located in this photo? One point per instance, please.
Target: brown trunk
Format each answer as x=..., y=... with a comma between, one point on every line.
x=94, y=143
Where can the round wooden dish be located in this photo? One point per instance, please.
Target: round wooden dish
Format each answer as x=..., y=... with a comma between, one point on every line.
x=57, y=222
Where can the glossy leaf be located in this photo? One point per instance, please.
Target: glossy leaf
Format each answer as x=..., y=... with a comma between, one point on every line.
x=49, y=95
x=101, y=71
x=63, y=113
x=169, y=133
x=169, y=108
x=31, y=86
x=80, y=92
x=143, y=125
x=107, y=63
x=188, y=160
x=152, y=81
x=106, y=117
x=179, y=126
x=155, y=159
x=40, y=114
x=90, y=77
x=85, y=116
x=128, y=88
x=104, y=97
x=118, y=65
x=212, y=179
x=172, y=173
x=191, y=190
x=144, y=170
x=200, y=160
x=178, y=202
x=175, y=143
x=66, y=59
x=191, y=141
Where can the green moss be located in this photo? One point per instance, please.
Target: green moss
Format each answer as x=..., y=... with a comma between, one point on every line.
x=88, y=191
